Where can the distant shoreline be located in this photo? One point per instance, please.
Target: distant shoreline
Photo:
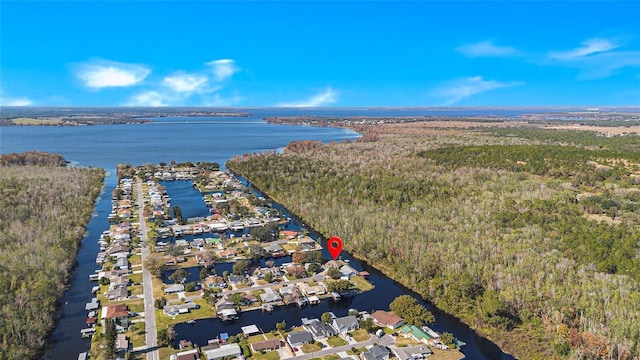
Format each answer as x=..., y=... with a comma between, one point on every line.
x=84, y=117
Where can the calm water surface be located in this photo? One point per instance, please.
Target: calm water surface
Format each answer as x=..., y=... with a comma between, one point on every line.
x=205, y=139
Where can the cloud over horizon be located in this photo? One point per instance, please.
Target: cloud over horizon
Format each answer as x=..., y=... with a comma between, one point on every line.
x=183, y=82
x=456, y=90
x=326, y=97
x=98, y=74
x=223, y=68
x=596, y=58
x=182, y=88
x=486, y=49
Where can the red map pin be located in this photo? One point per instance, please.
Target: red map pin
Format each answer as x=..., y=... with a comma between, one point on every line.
x=335, y=246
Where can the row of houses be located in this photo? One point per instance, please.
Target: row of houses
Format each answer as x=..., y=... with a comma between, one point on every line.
x=315, y=329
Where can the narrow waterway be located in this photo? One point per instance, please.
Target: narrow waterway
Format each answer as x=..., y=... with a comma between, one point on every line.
x=380, y=297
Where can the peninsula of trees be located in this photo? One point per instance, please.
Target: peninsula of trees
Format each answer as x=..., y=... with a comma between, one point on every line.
x=44, y=209
x=57, y=116
x=528, y=234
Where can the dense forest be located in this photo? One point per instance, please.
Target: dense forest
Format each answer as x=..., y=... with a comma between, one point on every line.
x=528, y=235
x=43, y=214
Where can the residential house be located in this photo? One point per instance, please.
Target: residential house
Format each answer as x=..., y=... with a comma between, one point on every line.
x=173, y=310
x=299, y=338
x=387, y=319
x=119, y=313
x=224, y=303
x=261, y=272
x=306, y=244
x=412, y=353
x=228, y=254
x=308, y=290
x=248, y=299
x=224, y=351
x=320, y=330
x=347, y=271
x=235, y=279
x=267, y=345
x=174, y=288
x=186, y=355
x=295, y=271
x=270, y=297
x=214, y=281
x=416, y=333
x=345, y=324
x=377, y=352
x=119, y=293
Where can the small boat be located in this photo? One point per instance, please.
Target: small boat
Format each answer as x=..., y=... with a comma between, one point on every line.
x=192, y=321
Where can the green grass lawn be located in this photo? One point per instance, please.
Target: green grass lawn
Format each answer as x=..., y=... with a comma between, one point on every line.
x=135, y=260
x=135, y=278
x=271, y=355
x=135, y=290
x=360, y=335
x=361, y=283
x=136, y=336
x=137, y=306
x=335, y=341
x=403, y=342
x=309, y=348
x=330, y=357
x=205, y=311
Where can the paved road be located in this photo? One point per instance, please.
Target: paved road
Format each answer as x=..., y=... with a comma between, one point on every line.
x=385, y=340
x=151, y=340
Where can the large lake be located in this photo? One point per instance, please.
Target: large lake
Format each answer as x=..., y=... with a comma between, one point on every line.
x=206, y=139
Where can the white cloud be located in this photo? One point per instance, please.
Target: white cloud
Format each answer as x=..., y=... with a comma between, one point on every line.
x=589, y=47
x=104, y=73
x=223, y=68
x=486, y=48
x=15, y=101
x=182, y=82
x=149, y=98
x=596, y=58
x=457, y=90
x=327, y=97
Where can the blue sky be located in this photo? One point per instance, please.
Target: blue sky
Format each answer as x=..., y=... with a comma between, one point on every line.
x=306, y=53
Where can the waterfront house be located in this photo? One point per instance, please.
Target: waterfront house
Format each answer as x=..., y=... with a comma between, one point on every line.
x=412, y=353
x=174, y=288
x=299, y=338
x=320, y=330
x=416, y=333
x=347, y=272
x=248, y=299
x=387, y=319
x=288, y=234
x=173, y=310
x=122, y=264
x=206, y=259
x=212, y=281
x=186, y=355
x=267, y=345
x=306, y=244
x=227, y=254
x=377, y=352
x=295, y=270
x=235, y=279
x=308, y=290
x=345, y=324
x=119, y=313
x=332, y=264
x=224, y=303
x=119, y=293
x=270, y=297
x=224, y=352
x=261, y=272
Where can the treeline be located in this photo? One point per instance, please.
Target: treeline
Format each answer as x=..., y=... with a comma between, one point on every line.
x=543, y=265
x=43, y=214
x=33, y=158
